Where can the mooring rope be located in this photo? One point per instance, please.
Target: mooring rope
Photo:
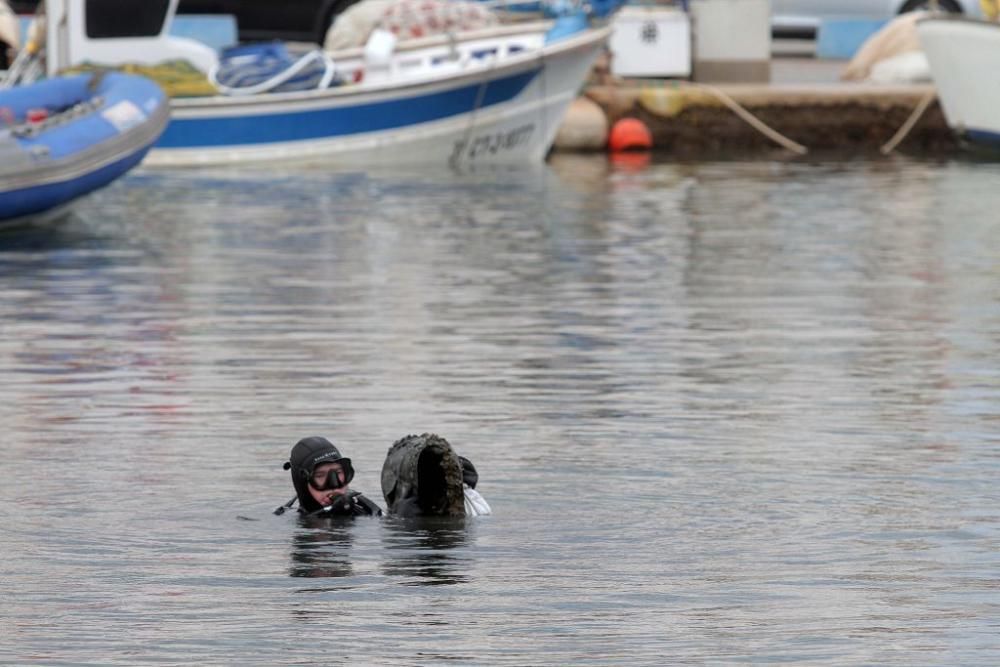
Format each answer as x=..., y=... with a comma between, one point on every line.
x=904, y=130
x=755, y=122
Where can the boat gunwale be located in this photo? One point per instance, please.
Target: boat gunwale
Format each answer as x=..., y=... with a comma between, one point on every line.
x=957, y=19
x=296, y=100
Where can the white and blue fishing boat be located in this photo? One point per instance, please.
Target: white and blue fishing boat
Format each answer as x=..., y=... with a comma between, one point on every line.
x=65, y=137
x=963, y=55
x=497, y=94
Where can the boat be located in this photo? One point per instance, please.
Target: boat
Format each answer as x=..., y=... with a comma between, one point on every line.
x=491, y=95
x=65, y=137
x=963, y=55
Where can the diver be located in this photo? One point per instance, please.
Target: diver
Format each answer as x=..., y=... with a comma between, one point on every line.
x=423, y=476
x=321, y=477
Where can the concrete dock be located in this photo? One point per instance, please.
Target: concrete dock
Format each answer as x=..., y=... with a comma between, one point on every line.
x=804, y=101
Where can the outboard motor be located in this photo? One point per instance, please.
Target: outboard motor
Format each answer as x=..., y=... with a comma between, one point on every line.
x=422, y=476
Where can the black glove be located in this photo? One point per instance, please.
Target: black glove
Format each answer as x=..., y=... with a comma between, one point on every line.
x=340, y=505
x=362, y=506
x=469, y=474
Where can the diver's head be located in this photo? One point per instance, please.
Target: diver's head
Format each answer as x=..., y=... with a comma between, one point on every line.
x=319, y=472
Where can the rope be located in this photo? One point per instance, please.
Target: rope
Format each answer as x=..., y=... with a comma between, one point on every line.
x=279, y=78
x=755, y=122
x=480, y=95
x=24, y=69
x=544, y=94
x=901, y=133
x=27, y=65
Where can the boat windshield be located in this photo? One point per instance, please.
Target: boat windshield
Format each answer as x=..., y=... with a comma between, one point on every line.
x=125, y=18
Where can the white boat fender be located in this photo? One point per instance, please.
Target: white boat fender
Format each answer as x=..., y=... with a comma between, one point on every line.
x=379, y=48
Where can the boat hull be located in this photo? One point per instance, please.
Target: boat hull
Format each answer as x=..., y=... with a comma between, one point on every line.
x=114, y=123
x=964, y=57
x=505, y=111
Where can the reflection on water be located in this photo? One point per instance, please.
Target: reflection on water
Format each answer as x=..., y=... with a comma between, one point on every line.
x=322, y=548
x=724, y=413
x=419, y=550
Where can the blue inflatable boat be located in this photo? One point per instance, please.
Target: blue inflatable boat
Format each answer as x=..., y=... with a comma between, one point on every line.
x=65, y=137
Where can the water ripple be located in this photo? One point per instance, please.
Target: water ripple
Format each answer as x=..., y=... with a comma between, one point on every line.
x=735, y=412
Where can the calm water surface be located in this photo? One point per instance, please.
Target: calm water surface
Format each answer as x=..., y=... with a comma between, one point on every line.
x=725, y=413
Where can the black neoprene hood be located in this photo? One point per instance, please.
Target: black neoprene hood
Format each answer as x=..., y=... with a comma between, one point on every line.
x=310, y=452
x=306, y=455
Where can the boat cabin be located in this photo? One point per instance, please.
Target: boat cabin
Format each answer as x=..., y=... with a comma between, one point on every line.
x=116, y=32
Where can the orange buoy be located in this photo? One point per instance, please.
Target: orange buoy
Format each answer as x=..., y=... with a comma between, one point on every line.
x=630, y=161
x=629, y=134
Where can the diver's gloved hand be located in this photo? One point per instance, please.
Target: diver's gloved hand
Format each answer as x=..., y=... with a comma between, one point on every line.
x=352, y=503
x=469, y=474
x=362, y=506
x=340, y=505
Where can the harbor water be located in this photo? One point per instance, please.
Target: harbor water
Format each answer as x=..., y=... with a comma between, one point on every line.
x=725, y=413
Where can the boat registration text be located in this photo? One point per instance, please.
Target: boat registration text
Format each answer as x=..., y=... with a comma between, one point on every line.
x=493, y=143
